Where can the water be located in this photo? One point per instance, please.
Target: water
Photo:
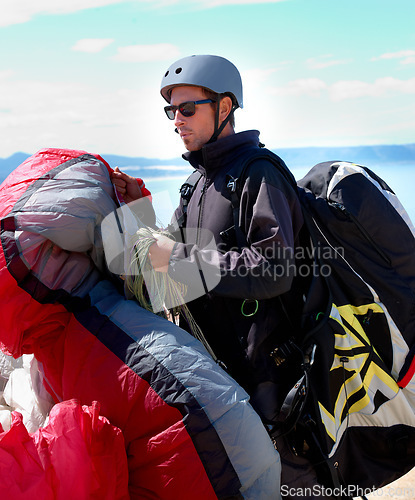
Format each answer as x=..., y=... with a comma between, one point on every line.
x=166, y=196
x=399, y=176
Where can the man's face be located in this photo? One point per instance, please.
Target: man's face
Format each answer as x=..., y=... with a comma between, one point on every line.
x=196, y=130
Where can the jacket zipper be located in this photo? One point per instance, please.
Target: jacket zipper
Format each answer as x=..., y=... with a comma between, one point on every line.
x=201, y=204
x=362, y=230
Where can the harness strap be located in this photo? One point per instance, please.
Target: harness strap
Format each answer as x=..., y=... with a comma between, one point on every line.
x=186, y=192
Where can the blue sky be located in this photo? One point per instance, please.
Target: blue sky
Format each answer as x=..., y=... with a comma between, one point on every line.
x=85, y=74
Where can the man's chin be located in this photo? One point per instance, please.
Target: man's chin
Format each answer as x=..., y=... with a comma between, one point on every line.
x=189, y=145
x=192, y=145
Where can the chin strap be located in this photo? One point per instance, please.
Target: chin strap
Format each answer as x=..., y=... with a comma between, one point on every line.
x=218, y=129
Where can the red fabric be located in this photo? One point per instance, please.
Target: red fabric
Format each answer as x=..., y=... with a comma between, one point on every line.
x=79, y=454
x=24, y=323
x=162, y=460
x=408, y=375
x=144, y=191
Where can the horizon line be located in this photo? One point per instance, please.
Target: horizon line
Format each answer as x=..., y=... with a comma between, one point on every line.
x=103, y=155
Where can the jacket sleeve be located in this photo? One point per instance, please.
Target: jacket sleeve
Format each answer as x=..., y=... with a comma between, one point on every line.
x=270, y=217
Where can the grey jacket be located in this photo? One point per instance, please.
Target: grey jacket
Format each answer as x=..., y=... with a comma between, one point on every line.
x=270, y=217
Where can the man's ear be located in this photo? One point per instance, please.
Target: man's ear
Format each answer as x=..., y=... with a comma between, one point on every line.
x=225, y=107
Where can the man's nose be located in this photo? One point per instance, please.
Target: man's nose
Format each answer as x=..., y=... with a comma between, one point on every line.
x=178, y=118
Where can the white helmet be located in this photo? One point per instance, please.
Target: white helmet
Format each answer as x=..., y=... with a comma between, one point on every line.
x=211, y=72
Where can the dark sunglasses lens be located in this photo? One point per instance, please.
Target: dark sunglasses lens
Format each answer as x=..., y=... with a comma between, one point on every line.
x=170, y=112
x=187, y=108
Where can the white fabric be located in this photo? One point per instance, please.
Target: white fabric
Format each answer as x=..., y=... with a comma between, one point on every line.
x=22, y=391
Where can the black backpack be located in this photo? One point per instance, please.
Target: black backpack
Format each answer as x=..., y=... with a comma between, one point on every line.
x=351, y=413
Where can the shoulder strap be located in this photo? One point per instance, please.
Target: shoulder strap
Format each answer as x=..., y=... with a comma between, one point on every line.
x=186, y=192
x=265, y=154
x=235, y=183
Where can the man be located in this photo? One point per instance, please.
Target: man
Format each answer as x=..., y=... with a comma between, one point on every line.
x=254, y=307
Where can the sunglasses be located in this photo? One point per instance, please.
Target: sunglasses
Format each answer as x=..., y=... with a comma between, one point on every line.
x=187, y=108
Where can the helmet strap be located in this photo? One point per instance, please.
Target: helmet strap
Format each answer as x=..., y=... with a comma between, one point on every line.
x=218, y=130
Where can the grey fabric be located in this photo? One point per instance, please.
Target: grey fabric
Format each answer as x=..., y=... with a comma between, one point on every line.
x=58, y=226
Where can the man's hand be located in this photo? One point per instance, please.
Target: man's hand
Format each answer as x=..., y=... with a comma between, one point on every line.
x=126, y=185
x=160, y=252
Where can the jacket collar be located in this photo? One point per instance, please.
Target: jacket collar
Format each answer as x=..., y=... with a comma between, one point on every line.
x=221, y=152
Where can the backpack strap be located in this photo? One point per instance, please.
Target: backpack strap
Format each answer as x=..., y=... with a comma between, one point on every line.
x=234, y=185
x=236, y=181
x=186, y=191
x=261, y=154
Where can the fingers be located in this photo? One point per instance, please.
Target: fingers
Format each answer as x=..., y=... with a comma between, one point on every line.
x=126, y=185
x=119, y=179
x=160, y=252
x=118, y=174
x=120, y=185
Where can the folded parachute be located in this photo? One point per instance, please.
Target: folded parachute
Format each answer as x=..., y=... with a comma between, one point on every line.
x=78, y=454
x=188, y=428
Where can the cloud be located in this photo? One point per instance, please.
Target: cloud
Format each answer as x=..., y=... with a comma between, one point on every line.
x=255, y=76
x=304, y=86
x=345, y=89
x=218, y=3
x=6, y=73
x=120, y=121
x=92, y=45
x=325, y=61
x=405, y=56
x=21, y=11
x=144, y=53
x=353, y=89
x=208, y=4
x=43, y=114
